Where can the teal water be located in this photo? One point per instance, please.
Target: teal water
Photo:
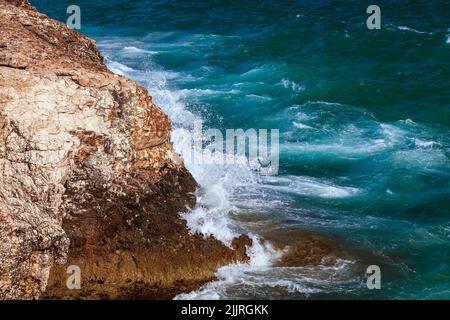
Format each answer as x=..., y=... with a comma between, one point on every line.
x=364, y=119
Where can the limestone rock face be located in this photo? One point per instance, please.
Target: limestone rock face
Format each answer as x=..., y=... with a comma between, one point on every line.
x=88, y=175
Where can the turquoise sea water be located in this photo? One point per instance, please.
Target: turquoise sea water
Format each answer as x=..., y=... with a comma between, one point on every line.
x=364, y=119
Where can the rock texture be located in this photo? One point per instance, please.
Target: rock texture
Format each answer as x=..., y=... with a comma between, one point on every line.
x=88, y=175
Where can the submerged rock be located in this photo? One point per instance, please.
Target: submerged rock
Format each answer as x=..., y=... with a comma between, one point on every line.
x=89, y=175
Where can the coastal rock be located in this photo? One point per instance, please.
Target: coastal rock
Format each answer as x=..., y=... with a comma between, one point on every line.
x=89, y=175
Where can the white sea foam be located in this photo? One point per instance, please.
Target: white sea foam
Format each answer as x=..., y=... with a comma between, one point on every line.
x=301, y=125
x=356, y=151
x=205, y=92
x=420, y=159
x=221, y=187
x=405, y=28
x=218, y=182
x=326, y=103
x=244, y=281
x=259, y=97
x=309, y=187
x=262, y=256
x=132, y=49
x=288, y=84
x=302, y=116
x=423, y=144
x=409, y=29
x=408, y=122
x=252, y=71
x=119, y=68
x=392, y=133
x=210, y=216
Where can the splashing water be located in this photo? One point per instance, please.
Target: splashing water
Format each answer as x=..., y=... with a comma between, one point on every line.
x=363, y=119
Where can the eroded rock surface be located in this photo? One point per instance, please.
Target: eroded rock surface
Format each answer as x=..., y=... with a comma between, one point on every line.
x=88, y=175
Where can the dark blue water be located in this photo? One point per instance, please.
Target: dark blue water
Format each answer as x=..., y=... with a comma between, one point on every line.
x=364, y=118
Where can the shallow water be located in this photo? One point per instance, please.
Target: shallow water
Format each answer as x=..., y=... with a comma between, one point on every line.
x=364, y=120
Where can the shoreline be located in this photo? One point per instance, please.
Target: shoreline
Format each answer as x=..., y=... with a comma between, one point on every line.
x=104, y=182
x=124, y=227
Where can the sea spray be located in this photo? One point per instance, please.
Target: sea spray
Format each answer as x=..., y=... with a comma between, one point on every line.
x=251, y=148
x=217, y=172
x=350, y=178
x=262, y=256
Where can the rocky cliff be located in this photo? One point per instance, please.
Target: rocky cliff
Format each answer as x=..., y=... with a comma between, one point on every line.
x=88, y=175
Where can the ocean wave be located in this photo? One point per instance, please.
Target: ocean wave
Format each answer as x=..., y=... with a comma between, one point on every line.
x=259, y=97
x=392, y=134
x=326, y=103
x=205, y=92
x=253, y=71
x=419, y=159
x=423, y=144
x=405, y=28
x=210, y=216
x=254, y=280
x=288, y=84
x=119, y=68
x=358, y=150
x=227, y=190
x=329, y=116
x=262, y=256
x=319, y=107
x=132, y=49
x=308, y=186
x=266, y=70
x=405, y=143
x=409, y=29
x=123, y=45
x=408, y=122
x=217, y=183
x=299, y=125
